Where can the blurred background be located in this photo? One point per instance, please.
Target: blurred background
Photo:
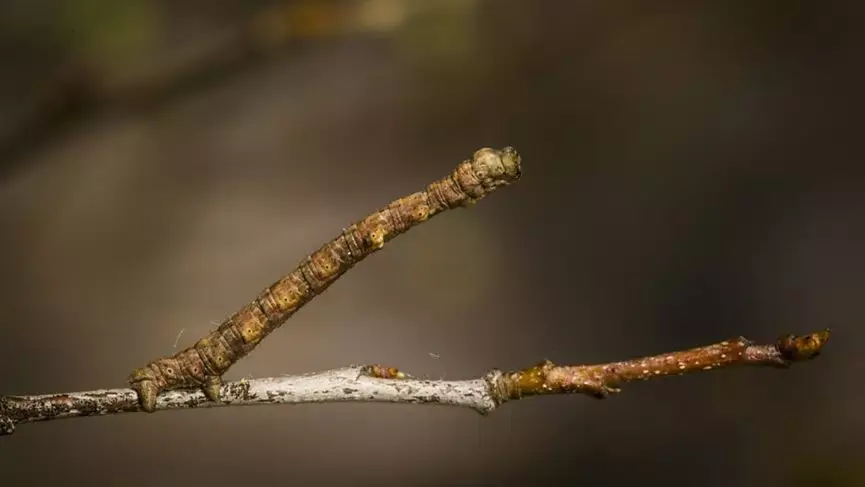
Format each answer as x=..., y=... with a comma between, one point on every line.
x=692, y=172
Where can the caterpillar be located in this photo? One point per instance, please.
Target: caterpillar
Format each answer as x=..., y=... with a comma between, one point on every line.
x=203, y=364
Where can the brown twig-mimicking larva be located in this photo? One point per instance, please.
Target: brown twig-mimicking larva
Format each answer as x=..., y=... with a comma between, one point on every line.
x=203, y=364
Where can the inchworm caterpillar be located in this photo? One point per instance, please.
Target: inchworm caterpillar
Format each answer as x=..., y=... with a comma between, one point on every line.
x=203, y=364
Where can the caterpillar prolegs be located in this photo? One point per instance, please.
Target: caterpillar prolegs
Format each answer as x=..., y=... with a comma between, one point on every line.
x=203, y=364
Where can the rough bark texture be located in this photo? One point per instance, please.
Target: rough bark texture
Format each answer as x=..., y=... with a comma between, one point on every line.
x=203, y=364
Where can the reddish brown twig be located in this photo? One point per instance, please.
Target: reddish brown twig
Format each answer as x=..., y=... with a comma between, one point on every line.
x=603, y=379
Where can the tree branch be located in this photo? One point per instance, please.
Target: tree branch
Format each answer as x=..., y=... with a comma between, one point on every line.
x=166, y=383
x=373, y=383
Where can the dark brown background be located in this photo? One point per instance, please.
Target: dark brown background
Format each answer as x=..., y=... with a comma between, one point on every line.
x=692, y=172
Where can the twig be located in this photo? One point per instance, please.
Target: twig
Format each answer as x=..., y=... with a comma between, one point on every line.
x=375, y=383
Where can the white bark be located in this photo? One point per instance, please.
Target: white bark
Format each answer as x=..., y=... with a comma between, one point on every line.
x=351, y=383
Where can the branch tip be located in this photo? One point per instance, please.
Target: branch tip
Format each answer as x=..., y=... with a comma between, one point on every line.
x=801, y=348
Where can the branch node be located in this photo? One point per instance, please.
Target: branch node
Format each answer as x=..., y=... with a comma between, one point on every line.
x=548, y=378
x=497, y=387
